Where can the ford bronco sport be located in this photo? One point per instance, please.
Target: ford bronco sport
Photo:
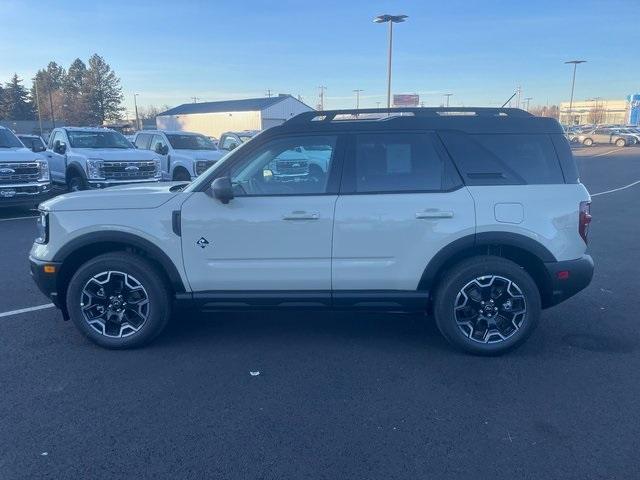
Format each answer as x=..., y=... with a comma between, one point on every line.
x=475, y=216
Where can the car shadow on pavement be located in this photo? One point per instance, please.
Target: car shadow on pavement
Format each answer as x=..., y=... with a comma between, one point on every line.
x=412, y=330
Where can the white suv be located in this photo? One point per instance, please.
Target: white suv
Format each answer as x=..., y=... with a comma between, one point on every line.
x=184, y=155
x=474, y=215
x=82, y=158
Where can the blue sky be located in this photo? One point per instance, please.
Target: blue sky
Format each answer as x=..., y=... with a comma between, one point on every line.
x=477, y=50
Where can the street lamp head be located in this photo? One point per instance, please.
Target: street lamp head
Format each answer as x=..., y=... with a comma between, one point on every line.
x=576, y=62
x=390, y=18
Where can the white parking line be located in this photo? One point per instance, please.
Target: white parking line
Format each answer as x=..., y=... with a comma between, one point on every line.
x=616, y=189
x=16, y=218
x=27, y=310
x=606, y=153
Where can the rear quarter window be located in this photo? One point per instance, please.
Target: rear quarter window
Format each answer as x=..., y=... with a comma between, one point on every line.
x=504, y=159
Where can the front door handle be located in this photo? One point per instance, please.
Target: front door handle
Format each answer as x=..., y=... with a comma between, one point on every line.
x=302, y=216
x=434, y=214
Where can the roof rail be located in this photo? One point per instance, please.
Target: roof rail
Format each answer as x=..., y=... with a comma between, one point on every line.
x=330, y=115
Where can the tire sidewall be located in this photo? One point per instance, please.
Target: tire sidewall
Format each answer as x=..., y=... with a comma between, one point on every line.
x=465, y=272
x=146, y=274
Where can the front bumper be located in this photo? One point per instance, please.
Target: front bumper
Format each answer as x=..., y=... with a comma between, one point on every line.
x=113, y=183
x=567, y=278
x=19, y=194
x=47, y=282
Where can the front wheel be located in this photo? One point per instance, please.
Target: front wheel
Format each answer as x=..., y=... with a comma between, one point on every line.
x=621, y=142
x=587, y=142
x=119, y=300
x=76, y=183
x=487, y=305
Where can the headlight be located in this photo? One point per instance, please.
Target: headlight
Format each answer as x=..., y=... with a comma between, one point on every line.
x=94, y=168
x=43, y=167
x=158, y=173
x=43, y=228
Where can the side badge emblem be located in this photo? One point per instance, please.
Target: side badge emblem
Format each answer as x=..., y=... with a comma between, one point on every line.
x=203, y=242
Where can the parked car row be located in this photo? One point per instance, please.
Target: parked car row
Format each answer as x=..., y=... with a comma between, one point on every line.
x=81, y=158
x=589, y=135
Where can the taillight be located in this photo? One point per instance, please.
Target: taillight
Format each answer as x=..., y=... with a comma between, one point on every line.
x=584, y=220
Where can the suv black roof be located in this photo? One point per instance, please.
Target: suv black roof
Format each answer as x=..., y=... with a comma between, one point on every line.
x=467, y=119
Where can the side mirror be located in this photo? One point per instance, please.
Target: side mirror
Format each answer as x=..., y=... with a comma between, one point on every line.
x=222, y=189
x=162, y=149
x=59, y=147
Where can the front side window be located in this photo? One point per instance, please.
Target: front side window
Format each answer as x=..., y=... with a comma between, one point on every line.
x=190, y=142
x=229, y=142
x=157, y=144
x=143, y=140
x=396, y=162
x=97, y=139
x=291, y=166
x=9, y=140
x=58, y=137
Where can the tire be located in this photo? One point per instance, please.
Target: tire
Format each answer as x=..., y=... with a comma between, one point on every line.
x=587, y=142
x=137, y=322
x=181, y=175
x=76, y=183
x=455, y=308
x=621, y=142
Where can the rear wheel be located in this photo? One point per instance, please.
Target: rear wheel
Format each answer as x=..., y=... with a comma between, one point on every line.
x=119, y=300
x=621, y=142
x=587, y=142
x=487, y=305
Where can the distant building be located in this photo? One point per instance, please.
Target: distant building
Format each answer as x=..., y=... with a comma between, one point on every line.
x=595, y=111
x=215, y=118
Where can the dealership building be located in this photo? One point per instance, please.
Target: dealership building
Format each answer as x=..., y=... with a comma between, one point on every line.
x=601, y=111
x=215, y=118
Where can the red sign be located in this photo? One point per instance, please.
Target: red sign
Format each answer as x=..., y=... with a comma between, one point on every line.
x=406, y=100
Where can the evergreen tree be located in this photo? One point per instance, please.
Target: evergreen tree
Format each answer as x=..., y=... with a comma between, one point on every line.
x=102, y=91
x=76, y=110
x=15, y=101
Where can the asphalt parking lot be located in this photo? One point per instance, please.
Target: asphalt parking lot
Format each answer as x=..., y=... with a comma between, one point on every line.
x=337, y=395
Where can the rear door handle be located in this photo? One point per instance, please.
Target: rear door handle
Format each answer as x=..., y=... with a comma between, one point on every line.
x=434, y=214
x=302, y=216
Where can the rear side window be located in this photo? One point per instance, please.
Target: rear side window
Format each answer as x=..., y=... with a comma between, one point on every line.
x=143, y=140
x=504, y=159
x=395, y=162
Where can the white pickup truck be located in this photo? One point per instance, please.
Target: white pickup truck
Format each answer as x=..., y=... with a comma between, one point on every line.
x=81, y=158
x=184, y=155
x=24, y=175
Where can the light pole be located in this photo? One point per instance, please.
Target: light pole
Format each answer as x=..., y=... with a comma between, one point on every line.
x=135, y=105
x=390, y=19
x=573, y=84
x=448, y=95
x=357, y=92
x=528, y=99
x=35, y=84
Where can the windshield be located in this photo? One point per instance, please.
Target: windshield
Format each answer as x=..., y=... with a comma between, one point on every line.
x=190, y=142
x=97, y=139
x=9, y=140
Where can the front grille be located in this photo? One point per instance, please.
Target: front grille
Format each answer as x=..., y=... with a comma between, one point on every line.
x=19, y=172
x=292, y=167
x=128, y=170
